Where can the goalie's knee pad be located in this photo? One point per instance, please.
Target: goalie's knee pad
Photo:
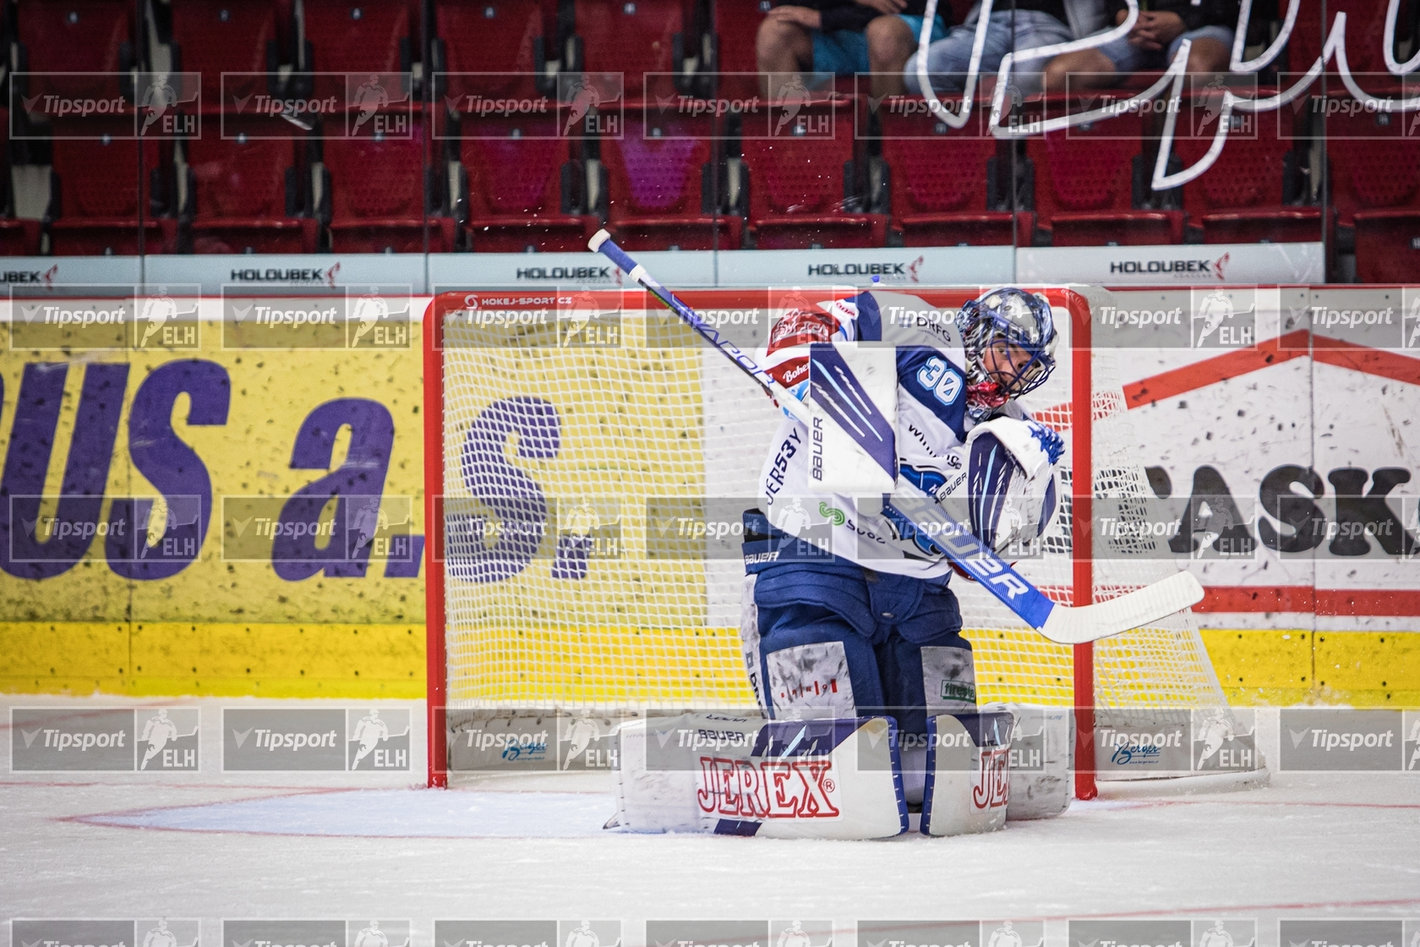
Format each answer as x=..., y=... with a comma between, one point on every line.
x=724, y=774
x=968, y=773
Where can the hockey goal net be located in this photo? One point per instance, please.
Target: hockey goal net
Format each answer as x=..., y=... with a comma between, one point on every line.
x=587, y=460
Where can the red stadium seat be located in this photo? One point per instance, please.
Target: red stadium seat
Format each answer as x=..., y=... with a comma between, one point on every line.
x=382, y=195
x=664, y=186
x=77, y=36
x=946, y=185
x=248, y=187
x=523, y=182
x=109, y=192
x=1365, y=34
x=355, y=36
x=632, y=37
x=213, y=37
x=503, y=41
x=1375, y=190
x=18, y=237
x=736, y=22
x=1090, y=181
x=1251, y=192
x=805, y=175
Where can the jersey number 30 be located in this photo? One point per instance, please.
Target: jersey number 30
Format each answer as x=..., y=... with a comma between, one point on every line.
x=938, y=377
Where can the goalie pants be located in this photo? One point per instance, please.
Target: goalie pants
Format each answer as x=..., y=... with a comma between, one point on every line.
x=827, y=637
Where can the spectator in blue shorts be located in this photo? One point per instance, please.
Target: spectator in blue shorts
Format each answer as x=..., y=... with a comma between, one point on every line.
x=1014, y=26
x=1162, y=27
x=843, y=37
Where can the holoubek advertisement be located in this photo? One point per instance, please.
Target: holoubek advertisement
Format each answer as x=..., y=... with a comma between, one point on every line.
x=212, y=494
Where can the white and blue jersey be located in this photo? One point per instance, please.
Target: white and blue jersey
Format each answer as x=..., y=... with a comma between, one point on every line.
x=932, y=429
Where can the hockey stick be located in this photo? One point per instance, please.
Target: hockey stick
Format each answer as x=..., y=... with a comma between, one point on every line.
x=1059, y=623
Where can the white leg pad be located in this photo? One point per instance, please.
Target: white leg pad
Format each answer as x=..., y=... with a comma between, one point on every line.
x=968, y=773
x=1042, y=761
x=726, y=775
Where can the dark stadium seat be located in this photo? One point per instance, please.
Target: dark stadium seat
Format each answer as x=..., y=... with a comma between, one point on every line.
x=382, y=195
x=632, y=37
x=523, y=182
x=110, y=193
x=504, y=42
x=805, y=174
x=248, y=187
x=213, y=37
x=947, y=186
x=77, y=36
x=1375, y=191
x=18, y=237
x=735, y=24
x=1091, y=182
x=664, y=182
x=1252, y=193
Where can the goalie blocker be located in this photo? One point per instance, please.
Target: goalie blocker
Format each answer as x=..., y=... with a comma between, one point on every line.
x=724, y=774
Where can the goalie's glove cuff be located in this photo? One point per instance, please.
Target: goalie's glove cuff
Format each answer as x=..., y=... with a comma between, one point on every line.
x=1035, y=447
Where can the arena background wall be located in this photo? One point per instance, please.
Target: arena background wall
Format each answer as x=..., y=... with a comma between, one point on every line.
x=252, y=428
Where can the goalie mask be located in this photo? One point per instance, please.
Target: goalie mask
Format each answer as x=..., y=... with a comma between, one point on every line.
x=1009, y=338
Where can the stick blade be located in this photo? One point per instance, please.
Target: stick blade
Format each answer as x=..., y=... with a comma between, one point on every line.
x=1118, y=615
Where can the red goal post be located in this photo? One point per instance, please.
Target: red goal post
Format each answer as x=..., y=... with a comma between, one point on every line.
x=641, y=633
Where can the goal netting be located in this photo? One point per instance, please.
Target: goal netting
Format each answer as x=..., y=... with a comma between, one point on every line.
x=588, y=459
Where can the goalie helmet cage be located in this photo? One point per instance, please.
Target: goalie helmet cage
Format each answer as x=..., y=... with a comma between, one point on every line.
x=555, y=425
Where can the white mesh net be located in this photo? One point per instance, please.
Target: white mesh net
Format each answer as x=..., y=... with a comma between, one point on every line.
x=581, y=451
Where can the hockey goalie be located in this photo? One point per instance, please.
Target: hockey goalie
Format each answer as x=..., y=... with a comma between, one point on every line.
x=851, y=630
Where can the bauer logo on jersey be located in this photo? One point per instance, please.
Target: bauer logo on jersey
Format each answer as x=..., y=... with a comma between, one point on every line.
x=919, y=933
x=1329, y=932
x=1129, y=933
x=724, y=932
x=1325, y=739
x=1223, y=318
x=1224, y=739
x=377, y=739
x=591, y=103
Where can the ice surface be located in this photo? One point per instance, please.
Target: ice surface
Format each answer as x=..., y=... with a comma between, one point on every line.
x=211, y=845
